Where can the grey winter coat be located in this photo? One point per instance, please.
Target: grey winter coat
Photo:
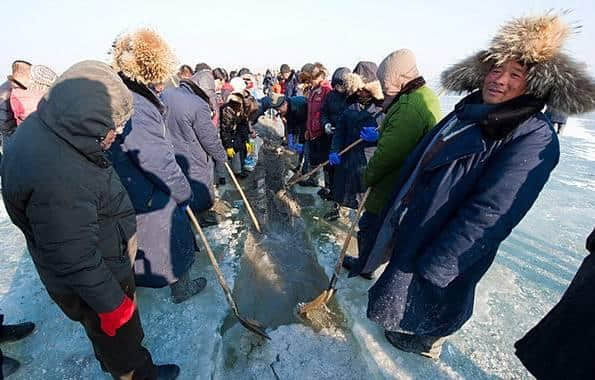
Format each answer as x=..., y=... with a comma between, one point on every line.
x=456, y=200
x=195, y=139
x=62, y=192
x=144, y=158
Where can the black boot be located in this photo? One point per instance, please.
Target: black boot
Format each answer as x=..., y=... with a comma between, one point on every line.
x=11, y=333
x=185, y=288
x=9, y=366
x=207, y=219
x=325, y=194
x=351, y=262
x=310, y=182
x=428, y=346
x=332, y=215
x=167, y=371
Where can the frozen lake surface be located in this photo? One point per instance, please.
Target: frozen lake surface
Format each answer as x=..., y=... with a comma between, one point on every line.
x=532, y=269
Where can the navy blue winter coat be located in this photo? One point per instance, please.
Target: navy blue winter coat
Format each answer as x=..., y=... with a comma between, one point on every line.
x=447, y=218
x=332, y=109
x=143, y=157
x=297, y=116
x=348, y=178
x=195, y=139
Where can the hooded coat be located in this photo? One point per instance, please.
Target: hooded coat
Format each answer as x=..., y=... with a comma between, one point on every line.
x=458, y=196
x=335, y=102
x=206, y=82
x=196, y=141
x=63, y=193
x=348, y=177
x=561, y=345
x=144, y=158
x=297, y=117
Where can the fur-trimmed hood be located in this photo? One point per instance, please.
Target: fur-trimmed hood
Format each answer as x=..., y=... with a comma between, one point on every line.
x=364, y=77
x=554, y=77
x=144, y=57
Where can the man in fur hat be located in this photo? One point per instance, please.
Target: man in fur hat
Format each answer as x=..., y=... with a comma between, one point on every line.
x=144, y=158
x=471, y=180
x=19, y=79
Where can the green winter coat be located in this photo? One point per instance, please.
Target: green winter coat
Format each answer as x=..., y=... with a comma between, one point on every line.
x=406, y=122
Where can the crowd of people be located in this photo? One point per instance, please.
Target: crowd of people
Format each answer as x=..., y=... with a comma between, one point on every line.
x=121, y=150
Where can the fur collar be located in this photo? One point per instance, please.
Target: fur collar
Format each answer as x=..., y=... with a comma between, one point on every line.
x=499, y=120
x=143, y=91
x=197, y=90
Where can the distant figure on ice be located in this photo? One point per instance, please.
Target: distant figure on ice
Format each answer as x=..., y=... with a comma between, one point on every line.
x=360, y=120
x=289, y=81
x=196, y=141
x=66, y=198
x=557, y=118
x=412, y=110
x=145, y=160
x=561, y=346
x=471, y=180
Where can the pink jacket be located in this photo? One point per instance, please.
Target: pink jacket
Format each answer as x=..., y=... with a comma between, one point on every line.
x=314, y=128
x=24, y=102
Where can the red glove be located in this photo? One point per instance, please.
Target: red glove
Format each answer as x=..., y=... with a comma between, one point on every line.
x=113, y=320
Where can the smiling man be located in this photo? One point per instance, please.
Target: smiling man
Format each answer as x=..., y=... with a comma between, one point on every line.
x=471, y=180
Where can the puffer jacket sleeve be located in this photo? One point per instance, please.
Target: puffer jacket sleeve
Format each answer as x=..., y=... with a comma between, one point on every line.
x=150, y=149
x=326, y=110
x=64, y=223
x=399, y=135
x=338, y=141
x=503, y=195
x=207, y=134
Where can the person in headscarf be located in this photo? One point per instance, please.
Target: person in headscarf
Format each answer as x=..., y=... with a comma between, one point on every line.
x=412, y=109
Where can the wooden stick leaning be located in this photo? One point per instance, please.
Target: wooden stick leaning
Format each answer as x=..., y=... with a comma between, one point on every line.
x=248, y=207
x=326, y=295
x=251, y=325
x=293, y=181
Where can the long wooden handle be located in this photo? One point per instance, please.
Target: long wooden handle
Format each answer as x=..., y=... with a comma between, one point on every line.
x=347, y=148
x=350, y=233
x=219, y=274
x=248, y=207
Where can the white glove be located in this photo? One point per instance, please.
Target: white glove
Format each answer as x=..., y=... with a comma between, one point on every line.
x=328, y=129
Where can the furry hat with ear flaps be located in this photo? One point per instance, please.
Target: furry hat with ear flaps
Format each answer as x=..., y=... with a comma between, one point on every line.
x=144, y=57
x=364, y=77
x=536, y=42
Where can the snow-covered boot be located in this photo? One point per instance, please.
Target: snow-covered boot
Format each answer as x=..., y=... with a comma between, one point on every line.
x=185, y=288
x=428, y=346
x=167, y=371
x=9, y=366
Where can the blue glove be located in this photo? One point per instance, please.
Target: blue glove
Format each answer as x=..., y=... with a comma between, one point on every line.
x=299, y=148
x=290, y=142
x=369, y=134
x=334, y=159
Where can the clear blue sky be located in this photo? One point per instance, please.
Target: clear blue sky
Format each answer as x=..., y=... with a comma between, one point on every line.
x=264, y=33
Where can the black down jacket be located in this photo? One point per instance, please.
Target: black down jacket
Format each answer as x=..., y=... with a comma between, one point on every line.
x=62, y=192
